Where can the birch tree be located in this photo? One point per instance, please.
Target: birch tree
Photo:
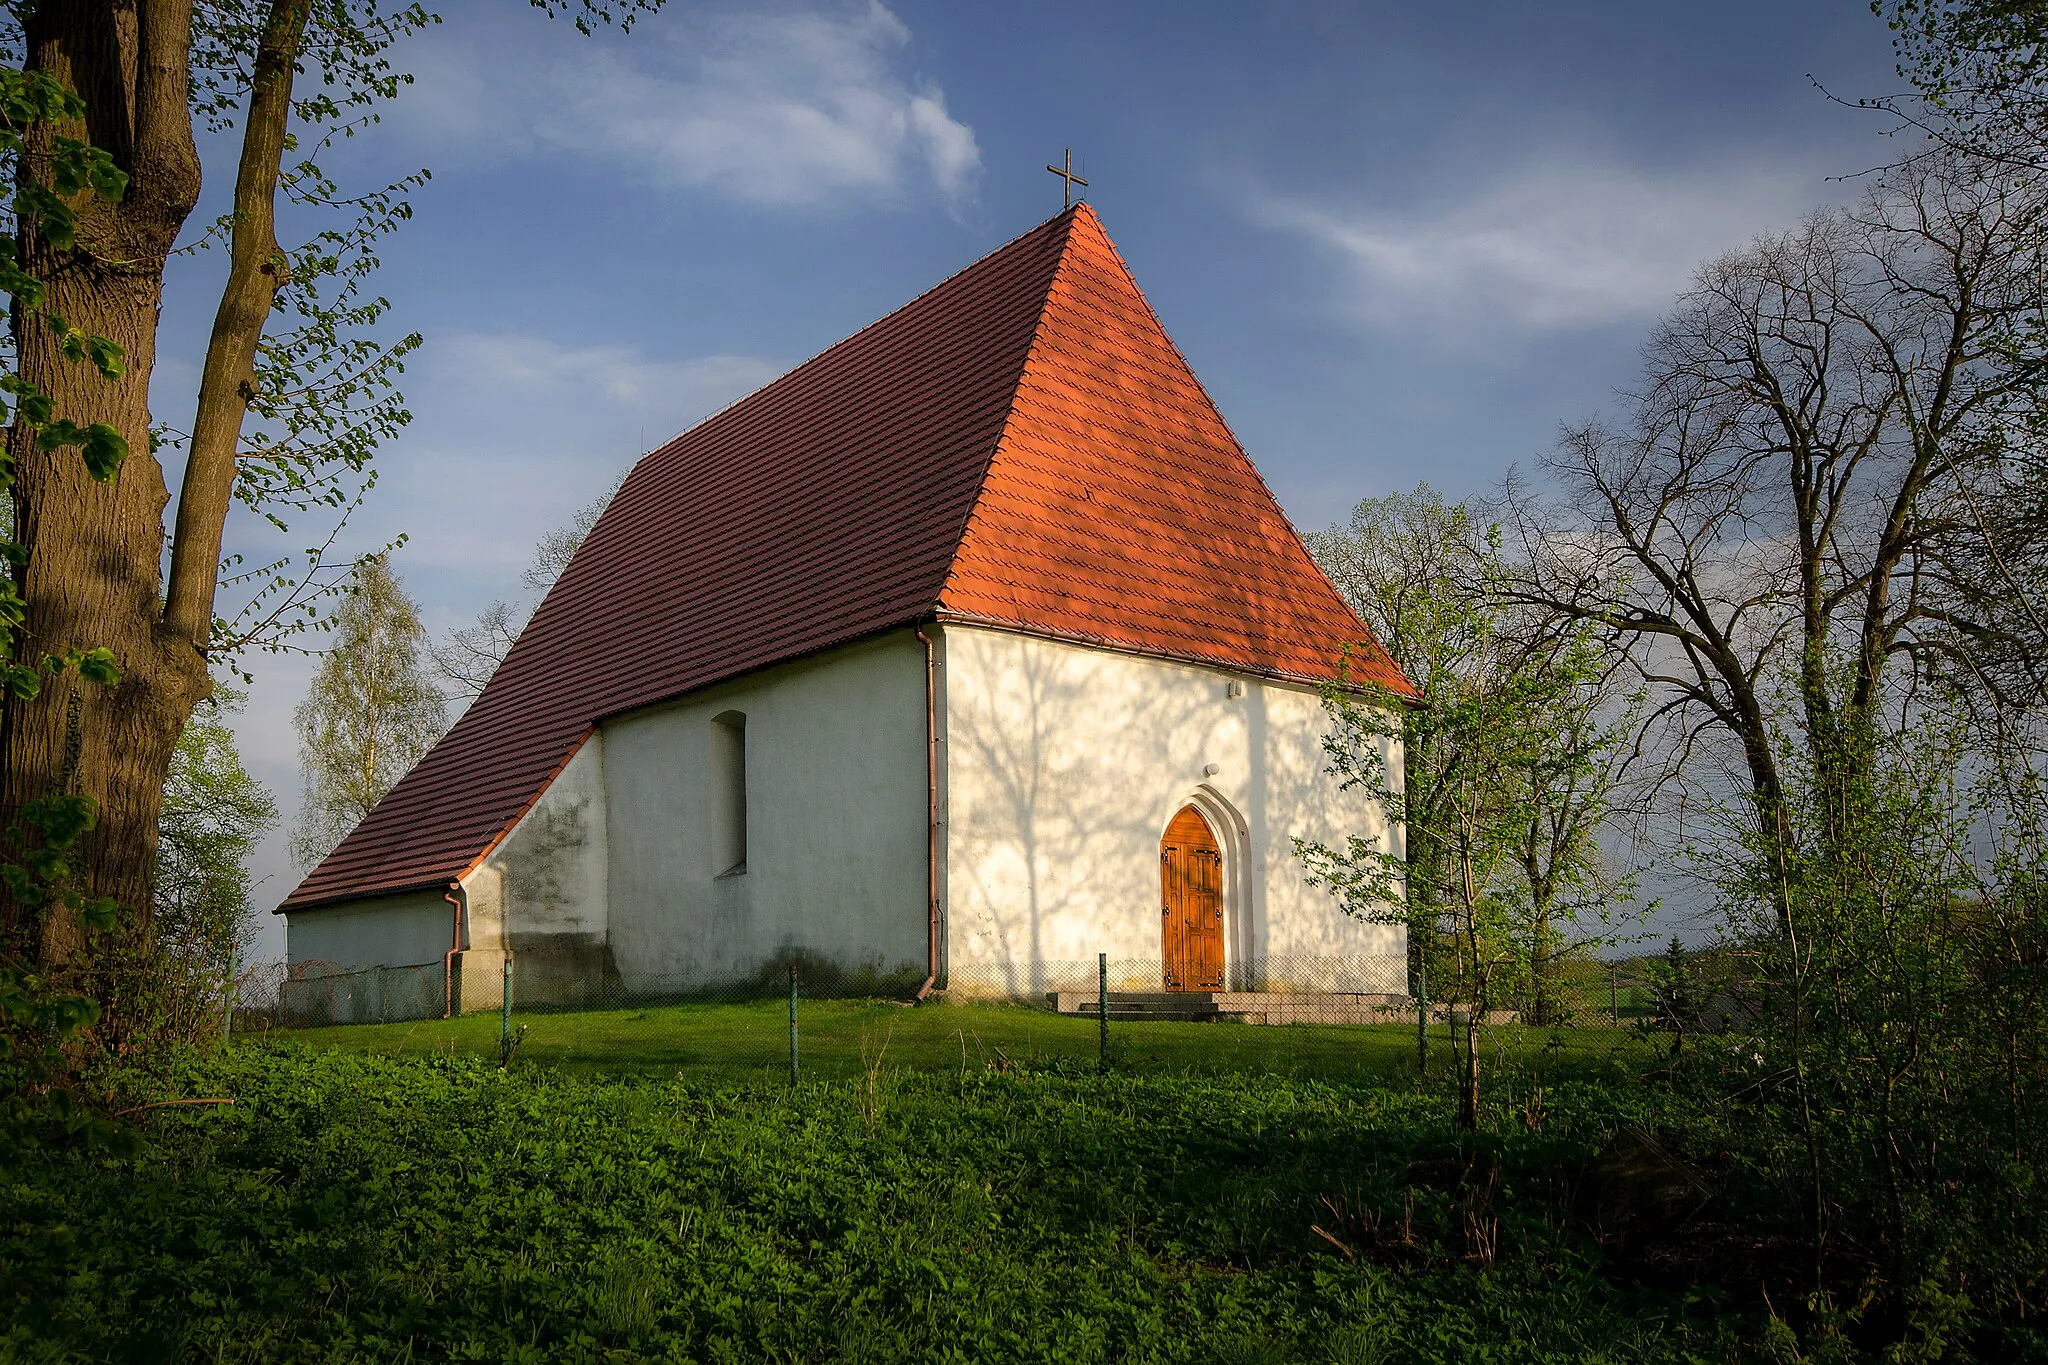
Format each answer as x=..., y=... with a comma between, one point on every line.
x=369, y=715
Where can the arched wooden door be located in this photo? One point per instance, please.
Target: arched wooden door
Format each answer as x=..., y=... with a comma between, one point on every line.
x=1191, y=904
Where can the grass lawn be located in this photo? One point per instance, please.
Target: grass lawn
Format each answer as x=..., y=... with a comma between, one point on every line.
x=842, y=1039
x=350, y=1206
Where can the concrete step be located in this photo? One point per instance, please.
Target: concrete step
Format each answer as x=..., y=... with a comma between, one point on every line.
x=1248, y=1007
x=1194, y=1007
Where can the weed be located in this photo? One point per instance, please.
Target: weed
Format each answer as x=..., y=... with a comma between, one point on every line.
x=380, y=1209
x=1251, y=1349
x=628, y=1292
x=1358, y=1344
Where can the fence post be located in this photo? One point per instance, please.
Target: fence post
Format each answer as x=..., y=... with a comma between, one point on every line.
x=1102, y=1009
x=1421, y=1014
x=227, y=1018
x=1614, y=993
x=792, y=1026
x=505, y=1017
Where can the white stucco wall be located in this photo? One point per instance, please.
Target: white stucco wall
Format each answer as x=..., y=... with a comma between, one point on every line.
x=364, y=961
x=392, y=931
x=1060, y=767
x=1063, y=765
x=836, y=827
x=541, y=892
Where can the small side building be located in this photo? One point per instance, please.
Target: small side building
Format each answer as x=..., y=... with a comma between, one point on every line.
x=969, y=650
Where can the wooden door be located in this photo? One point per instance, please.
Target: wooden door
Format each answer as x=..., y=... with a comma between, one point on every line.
x=1191, y=904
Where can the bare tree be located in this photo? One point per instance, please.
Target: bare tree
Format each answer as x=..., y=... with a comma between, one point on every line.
x=1777, y=518
x=471, y=654
x=555, y=549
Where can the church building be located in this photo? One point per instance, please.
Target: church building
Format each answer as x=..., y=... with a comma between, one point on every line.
x=963, y=652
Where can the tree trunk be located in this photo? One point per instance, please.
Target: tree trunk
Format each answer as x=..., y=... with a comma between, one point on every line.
x=93, y=578
x=1541, y=1011
x=1468, y=1072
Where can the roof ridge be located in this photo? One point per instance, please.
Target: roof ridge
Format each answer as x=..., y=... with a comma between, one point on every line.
x=1116, y=254
x=1072, y=214
x=903, y=307
x=821, y=508
x=1042, y=550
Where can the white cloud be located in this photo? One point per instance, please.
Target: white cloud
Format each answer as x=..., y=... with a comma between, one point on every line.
x=495, y=368
x=515, y=431
x=768, y=105
x=1558, y=243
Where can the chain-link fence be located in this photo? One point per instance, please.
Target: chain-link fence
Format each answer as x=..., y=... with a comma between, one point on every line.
x=1331, y=1016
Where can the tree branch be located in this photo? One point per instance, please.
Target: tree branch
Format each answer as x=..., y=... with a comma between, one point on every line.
x=257, y=269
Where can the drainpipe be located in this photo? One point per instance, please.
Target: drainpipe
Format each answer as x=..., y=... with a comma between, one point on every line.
x=931, y=782
x=458, y=898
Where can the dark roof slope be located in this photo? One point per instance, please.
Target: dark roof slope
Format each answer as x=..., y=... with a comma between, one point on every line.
x=1022, y=445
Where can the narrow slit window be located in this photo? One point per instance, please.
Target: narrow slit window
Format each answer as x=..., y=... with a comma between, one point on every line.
x=729, y=794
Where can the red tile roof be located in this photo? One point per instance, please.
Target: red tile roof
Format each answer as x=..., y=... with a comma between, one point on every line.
x=1020, y=446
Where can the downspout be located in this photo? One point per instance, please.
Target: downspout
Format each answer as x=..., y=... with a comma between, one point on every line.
x=931, y=782
x=458, y=898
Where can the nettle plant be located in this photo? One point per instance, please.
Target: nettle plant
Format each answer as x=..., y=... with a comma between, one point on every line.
x=43, y=1018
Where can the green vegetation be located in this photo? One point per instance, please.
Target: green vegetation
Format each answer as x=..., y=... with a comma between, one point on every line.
x=214, y=813
x=841, y=1039
x=362, y=1207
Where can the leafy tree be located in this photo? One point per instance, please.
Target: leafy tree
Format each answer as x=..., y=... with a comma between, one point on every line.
x=1405, y=564
x=1507, y=768
x=214, y=813
x=46, y=1016
x=1979, y=72
x=369, y=715
x=293, y=395
x=1903, y=1059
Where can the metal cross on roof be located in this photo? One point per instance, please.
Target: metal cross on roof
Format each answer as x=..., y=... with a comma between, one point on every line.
x=1066, y=173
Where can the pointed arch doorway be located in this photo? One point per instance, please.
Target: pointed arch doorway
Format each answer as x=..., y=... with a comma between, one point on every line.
x=1191, y=904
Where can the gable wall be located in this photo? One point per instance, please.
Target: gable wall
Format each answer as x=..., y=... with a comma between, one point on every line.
x=541, y=892
x=1063, y=765
x=836, y=828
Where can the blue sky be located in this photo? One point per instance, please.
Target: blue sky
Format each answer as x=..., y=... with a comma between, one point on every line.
x=1397, y=242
